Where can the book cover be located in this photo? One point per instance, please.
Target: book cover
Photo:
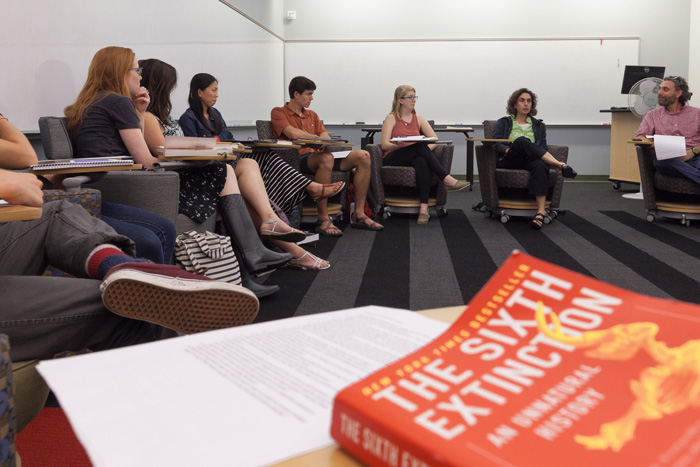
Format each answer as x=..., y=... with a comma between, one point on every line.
x=544, y=367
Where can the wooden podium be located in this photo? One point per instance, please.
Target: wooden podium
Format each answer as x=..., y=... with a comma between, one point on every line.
x=623, y=157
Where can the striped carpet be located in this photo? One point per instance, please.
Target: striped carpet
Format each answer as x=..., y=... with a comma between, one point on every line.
x=446, y=262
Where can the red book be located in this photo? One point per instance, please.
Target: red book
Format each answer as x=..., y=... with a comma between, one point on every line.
x=545, y=367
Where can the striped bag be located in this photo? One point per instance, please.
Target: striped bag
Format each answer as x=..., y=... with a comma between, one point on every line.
x=209, y=254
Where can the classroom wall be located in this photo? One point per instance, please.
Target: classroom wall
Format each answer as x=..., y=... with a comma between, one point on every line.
x=46, y=49
x=366, y=20
x=663, y=27
x=694, y=48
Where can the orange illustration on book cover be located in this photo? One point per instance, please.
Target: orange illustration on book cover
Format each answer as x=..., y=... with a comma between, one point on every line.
x=545, y=367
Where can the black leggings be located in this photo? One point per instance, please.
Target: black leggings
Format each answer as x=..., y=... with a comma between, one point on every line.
x=421, y=158
x=524, y=154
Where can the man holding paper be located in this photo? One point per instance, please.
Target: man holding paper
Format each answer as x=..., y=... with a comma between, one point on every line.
x=671, y=120
x=296, y=121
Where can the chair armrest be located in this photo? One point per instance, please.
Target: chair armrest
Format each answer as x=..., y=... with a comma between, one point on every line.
x=376, y=160
x=486, y=165
x=290, y=156
x=560, y=153
x=157, y=192
x=645, y=159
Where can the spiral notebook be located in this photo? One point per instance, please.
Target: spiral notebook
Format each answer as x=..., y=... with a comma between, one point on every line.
x=82, y=163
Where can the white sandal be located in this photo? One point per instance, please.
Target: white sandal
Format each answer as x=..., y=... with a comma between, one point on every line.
x=293, y=235
x=296, y=262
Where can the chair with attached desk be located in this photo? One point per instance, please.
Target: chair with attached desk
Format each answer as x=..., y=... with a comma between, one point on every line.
x=504, y=191
x=666, y=195
x=308, y=212
x=394, y=187
x=156, y=192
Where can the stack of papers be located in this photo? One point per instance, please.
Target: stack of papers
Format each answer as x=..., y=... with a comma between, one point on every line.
x=245, y=396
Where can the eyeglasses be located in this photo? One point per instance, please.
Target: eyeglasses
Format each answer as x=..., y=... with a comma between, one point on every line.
x=413, y=98
x=139, y=71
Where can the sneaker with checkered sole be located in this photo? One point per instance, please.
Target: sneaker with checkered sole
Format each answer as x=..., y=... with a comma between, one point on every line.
x=174, y=298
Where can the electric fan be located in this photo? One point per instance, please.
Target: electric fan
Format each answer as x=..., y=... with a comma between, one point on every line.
x=644, y=96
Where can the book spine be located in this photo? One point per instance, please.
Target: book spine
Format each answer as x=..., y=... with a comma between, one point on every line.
x=375, y=440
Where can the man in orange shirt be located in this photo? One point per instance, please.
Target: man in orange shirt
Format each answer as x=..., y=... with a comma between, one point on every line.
x=296, y=121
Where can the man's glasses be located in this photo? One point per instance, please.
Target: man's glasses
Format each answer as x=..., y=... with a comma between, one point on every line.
x=139, y=71
x=413, y=98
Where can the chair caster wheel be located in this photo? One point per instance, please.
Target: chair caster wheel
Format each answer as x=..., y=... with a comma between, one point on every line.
x=547, y=220
x=488, y=214
x=553, y=214
x=615, y=186
x=651, y=217
x=386, y=215
x=442, y=212
x=505, y=219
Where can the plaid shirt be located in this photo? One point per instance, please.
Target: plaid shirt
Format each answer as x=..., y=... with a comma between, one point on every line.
x=660, y=121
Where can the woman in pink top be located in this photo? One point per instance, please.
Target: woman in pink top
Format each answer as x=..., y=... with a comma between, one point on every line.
x=404, y=121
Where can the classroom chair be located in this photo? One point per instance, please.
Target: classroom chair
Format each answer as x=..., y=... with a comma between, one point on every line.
x=504, y=191
x=156, y=192
x=666, y=195
x=394, y=187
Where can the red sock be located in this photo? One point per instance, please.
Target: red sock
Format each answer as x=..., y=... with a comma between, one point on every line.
x=99, y=255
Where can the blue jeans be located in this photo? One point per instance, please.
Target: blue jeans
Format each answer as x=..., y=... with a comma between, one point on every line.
x=678, y=168
x=46, y=315
x=153, y=234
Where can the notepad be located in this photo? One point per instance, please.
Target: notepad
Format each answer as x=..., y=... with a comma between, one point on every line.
x=459, y=128
x=406, y=139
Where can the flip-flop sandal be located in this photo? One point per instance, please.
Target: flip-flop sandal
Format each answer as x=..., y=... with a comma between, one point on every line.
x=328, y=186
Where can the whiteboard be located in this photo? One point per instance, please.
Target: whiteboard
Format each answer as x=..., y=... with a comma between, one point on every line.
x=46, y=49
x=465, y=81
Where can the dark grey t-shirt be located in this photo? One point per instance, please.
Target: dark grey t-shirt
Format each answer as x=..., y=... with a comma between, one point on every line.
x=97, y=133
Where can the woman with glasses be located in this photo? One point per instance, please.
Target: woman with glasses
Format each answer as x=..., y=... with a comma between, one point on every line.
x=404, y=121
x=107, y=120
x=527, y=148
x=286, y=187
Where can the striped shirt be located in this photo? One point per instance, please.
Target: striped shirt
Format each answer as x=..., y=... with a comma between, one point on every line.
x=660, y=121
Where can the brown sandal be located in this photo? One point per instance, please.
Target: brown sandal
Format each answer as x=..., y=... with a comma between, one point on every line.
x=326, y=226
x=361, y=223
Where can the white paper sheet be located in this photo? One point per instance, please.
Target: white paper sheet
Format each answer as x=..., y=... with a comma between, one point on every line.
x=668, y=147
x=246, y=396
x=340, y=154
x=400, y=139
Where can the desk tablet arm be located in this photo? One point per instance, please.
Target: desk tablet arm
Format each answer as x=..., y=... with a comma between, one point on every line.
x=335, y=148
x=73, y=184
x=172, y=165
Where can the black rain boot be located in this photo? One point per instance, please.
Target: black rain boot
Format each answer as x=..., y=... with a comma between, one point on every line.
x=243, y=233
x=260, y=290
